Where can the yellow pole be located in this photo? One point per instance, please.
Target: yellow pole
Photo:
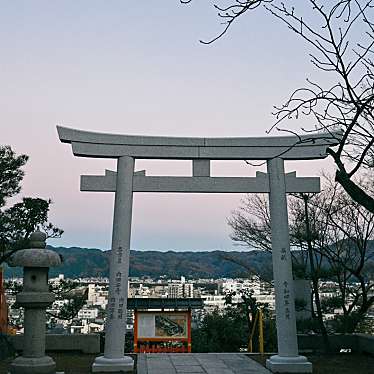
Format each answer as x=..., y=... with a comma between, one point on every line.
x=250, y=347
x=261, y=332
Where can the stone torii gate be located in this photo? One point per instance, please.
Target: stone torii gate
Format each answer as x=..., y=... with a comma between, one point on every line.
x=125, y=181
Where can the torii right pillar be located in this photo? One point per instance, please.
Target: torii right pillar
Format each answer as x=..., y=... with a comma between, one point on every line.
x=287, y=360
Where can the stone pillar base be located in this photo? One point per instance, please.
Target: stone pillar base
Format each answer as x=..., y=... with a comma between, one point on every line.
x=282, y=364
x=30, y=365
x=113, y=365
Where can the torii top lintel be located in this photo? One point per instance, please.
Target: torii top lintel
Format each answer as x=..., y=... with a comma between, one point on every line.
x=102, y=145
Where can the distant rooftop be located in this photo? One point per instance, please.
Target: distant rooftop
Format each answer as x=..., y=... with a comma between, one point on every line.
x=165, y=303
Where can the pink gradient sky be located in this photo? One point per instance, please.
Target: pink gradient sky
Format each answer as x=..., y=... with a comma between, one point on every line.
x=136, y=68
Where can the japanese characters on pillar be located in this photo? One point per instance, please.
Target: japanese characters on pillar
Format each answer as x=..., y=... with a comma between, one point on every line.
x=121, y=299
x=116, y=303
x=286, y=299
x=119, y=254
x=286, y=289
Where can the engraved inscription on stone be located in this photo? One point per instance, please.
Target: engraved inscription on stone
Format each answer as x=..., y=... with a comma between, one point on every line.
x=120, y=308
x=119, y=255
x=118, y=282
x=283, y=254
x=111, y=307
x=286, y=297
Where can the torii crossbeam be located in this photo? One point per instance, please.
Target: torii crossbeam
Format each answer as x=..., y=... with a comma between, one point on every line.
x=194, y=184
x=124, y=182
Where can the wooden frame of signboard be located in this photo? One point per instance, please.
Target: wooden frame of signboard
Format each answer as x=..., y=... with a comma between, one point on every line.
x=160, y=339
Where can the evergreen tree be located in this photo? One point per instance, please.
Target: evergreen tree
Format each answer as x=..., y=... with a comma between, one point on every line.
x=18, y=221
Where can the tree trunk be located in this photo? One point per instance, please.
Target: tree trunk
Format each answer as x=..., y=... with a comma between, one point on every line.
x=354, y=191
x=314, y=277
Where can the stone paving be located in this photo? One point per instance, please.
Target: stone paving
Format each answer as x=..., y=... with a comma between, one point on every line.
x=208, y=363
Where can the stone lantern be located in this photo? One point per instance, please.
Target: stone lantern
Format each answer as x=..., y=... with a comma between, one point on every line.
x=34, y=298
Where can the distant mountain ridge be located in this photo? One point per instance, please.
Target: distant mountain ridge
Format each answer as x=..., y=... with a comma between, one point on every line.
x=90, y=262
x=86, y=262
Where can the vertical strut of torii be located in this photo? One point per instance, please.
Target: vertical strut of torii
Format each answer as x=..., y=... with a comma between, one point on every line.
x=124, y=182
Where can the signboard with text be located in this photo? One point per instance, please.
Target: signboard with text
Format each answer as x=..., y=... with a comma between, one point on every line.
x=162, y=325
x=162, y=332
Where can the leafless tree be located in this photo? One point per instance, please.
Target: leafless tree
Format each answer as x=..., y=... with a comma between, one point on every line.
x=250, y=223
x=340, y=34
x=331, y=236
x=346, y=244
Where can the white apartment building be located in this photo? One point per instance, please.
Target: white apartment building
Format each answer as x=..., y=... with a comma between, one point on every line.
x=97, y=295
x=237, y=285
x=262, y=291
x=88, y=313
x=213, y=302
x=86, y=327
x=180, y=290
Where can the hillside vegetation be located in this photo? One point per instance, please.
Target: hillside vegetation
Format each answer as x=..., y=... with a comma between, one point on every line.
x=85, y=262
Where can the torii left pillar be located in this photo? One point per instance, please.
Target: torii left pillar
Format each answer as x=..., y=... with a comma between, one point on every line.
x=114, y=359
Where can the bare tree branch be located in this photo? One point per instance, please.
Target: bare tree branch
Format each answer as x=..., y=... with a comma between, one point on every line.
x=340, y=34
